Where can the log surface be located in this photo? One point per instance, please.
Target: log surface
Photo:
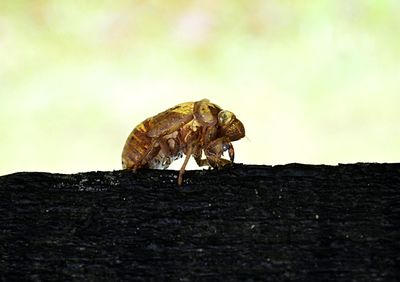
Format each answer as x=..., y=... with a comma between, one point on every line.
x=250, y=223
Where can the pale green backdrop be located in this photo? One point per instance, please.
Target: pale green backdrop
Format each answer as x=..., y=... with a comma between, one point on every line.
x=313, y=81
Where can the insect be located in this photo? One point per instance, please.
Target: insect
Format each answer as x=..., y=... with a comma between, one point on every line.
x=189, y=128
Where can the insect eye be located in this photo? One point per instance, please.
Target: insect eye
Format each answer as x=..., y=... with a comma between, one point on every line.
x=224, y=117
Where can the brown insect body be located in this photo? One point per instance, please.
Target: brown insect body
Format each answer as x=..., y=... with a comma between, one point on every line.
x=188, y=128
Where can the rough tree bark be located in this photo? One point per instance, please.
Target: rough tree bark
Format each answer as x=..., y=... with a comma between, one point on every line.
x=291, y=222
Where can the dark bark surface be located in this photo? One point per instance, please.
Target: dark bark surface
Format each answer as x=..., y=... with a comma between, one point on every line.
x=292, y=222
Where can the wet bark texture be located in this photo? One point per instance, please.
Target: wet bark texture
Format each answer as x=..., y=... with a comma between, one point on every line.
x=291, y=222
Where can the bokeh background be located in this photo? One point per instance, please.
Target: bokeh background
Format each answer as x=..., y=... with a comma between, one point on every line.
x=313, y=81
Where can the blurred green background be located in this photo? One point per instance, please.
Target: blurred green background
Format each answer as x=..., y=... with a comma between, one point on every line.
x=313, y=81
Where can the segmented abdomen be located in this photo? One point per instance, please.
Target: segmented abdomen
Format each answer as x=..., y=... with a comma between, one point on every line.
x=136, y=147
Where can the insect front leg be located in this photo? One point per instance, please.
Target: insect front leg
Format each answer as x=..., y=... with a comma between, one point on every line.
x=214, y=151
x=197, y=152
x=231, y=152
x=207, y=134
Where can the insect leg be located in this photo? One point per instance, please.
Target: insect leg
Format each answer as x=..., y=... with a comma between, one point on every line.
x=182, y=170
x=214, y=151
x=152, y=151
x=231, y=152
x=197, y=157
x=164, y=147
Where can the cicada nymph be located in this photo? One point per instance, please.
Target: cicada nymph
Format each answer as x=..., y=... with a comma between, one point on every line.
x=187, y=129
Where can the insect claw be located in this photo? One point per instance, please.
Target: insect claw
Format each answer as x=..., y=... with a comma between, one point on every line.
x=231, y=152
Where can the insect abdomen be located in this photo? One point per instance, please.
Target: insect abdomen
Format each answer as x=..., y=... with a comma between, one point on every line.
x=136, y=147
